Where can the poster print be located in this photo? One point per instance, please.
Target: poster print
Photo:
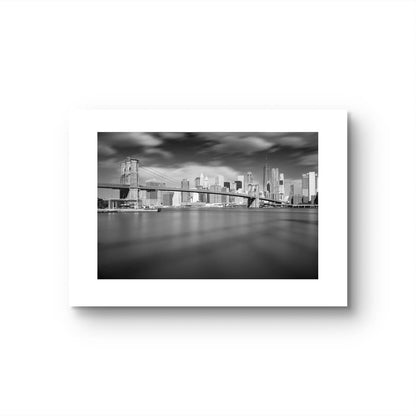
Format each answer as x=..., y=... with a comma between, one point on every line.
x=206, y=207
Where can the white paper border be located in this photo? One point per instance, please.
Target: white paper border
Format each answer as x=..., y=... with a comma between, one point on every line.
x=330, y=289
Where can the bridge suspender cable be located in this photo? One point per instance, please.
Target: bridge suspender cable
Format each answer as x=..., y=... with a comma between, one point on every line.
x=160, y=176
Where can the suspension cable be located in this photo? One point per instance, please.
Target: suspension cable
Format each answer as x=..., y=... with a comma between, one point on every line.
x=153, y=172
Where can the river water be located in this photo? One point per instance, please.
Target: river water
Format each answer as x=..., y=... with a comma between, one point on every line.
x=213, y=243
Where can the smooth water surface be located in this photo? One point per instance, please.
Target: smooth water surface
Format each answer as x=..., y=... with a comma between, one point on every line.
x=237, y=243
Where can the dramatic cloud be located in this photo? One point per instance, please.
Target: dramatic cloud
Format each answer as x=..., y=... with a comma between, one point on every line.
x=171, y=135
x=247, y=145
x=187, y=154
x=158, y=152
x=293, y=141
x=308, y=160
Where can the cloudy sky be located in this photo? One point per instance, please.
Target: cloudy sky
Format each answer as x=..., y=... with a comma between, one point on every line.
x=186, y=155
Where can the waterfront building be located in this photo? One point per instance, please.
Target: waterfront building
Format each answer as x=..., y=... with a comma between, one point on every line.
x=227, y=185
x=177, y=199
x=153, y=197
x=293, y=190
x=309, y=186
x=194, y=197
x=197, y=182
x=238, y=185
x=305, y=185
x=167, y=198
x=296, y=199
x=238, y=200
x=225, y=199
x=213, y=198
x=185, y=196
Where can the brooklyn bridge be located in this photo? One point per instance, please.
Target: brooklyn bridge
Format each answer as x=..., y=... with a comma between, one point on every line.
x=130, y=186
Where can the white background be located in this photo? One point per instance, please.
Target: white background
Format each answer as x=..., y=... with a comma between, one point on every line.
x=56, y=57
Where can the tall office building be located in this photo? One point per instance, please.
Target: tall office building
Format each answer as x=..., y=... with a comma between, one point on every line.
x=309, y=186
x=238, y=185
x=312, y=186
x=274, y=182
x=249, y=179
x=293, y=190
x=240, y=178
x=197, y=182
x=219, y=180
x=267, y=186
x=227, y=185
x=185, y=196
x=305, y=185
x=281, y=186
x=167, y=198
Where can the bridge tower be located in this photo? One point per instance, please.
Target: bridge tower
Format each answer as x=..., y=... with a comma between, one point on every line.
x=253, y=192
x=130, y=176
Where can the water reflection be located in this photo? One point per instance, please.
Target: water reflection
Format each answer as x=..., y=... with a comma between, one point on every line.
x=209, y=243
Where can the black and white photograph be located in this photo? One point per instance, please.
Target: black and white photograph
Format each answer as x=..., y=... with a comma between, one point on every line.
x=208, y=205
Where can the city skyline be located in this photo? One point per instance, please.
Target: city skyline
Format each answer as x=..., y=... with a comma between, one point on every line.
x=187, y=155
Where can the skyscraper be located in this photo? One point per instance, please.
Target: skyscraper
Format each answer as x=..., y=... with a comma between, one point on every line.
x=305, y=186
x=197, y=182
x=281, y=186
x=240, y=178
x=274, y=182
x=219, y=180
x=293, y=190
x=309, y=186
x=267, y=187
x=249, y=179
x=312, y=186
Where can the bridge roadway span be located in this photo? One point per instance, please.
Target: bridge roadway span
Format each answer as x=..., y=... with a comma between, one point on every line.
x=173, y=189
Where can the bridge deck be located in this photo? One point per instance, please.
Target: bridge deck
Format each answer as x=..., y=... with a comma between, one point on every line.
x=173, y=189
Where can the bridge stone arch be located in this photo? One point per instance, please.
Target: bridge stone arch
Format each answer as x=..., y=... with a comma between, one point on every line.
x=253, y=190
